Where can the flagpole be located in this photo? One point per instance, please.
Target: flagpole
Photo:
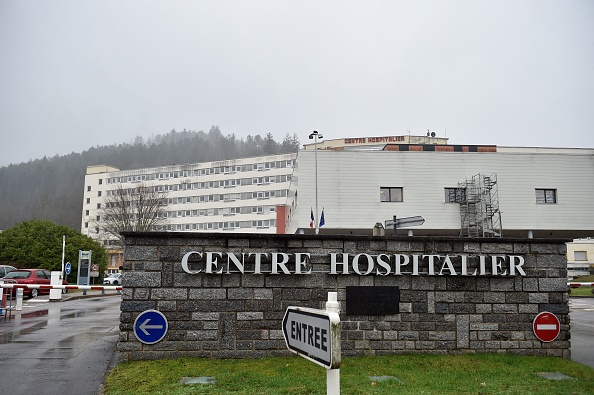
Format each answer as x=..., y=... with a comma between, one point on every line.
x=315, y=135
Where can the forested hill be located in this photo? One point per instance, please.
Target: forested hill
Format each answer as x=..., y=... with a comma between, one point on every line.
x=52, y=188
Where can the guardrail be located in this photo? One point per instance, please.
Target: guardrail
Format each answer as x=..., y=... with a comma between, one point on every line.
x=45, y=286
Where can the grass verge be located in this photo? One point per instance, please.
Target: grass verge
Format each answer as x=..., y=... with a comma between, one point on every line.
x=582, y=291
x=412, y=374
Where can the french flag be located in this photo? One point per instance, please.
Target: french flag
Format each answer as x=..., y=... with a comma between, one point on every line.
x=311, y=223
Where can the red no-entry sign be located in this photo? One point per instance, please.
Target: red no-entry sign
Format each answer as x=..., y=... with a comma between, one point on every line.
x=546, y=326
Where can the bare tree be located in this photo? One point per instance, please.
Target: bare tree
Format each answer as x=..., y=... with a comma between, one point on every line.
x=139, y=209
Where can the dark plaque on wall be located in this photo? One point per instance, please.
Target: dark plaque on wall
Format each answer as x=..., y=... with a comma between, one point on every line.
x=372, y=300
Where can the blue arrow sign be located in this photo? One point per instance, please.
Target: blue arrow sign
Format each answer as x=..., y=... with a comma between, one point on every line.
x=68, y=268
x=150, y=326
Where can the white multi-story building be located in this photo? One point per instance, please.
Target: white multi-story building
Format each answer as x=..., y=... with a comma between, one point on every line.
x=239, y=195
x=478, y=191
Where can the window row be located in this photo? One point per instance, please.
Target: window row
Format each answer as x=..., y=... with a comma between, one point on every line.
x=228, y=197
x=203, y=172
x=186, y=186
x=458, y=195
x=225, y=211
x=226, y=225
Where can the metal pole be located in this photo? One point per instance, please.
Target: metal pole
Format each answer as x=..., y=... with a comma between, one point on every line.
x=333, y=375
x=316, y=170
x=395, y=226
x=63, y=248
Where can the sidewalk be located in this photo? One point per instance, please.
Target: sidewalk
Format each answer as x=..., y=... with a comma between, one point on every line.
x=90, y=294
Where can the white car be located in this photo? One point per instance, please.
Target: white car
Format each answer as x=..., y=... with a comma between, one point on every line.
x=113, y=279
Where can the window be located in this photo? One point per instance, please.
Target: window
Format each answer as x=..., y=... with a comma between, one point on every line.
x=89, y=188
x=546, y=196
x=390, y=194
x=88, y=200
x=580, y=256
x=41, y=274
x=99, y=194
x=455, y=195
x=262, y=224
x=100, y=181
x=87, y=212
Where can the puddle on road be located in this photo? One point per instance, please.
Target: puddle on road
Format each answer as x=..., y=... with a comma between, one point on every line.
x=39, y=313
x=10, y=337
x=74, y=315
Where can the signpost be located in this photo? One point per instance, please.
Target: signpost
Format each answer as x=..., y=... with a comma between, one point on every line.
x=68, y=268
x=308, y=333
x=546, y=326
x=404, y=222
x=150, y=326
x=315, y=335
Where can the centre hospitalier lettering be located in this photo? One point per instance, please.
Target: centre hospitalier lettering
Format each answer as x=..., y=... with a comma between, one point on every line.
x=196, y=262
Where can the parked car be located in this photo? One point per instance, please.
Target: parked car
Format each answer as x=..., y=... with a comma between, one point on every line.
x=113, y=279
x=31, y=276
x=4, y=269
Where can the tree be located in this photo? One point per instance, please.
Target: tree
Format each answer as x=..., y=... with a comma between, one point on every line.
x=290, y=143
x=270, y=146
x=38, y=244
x=139, y=209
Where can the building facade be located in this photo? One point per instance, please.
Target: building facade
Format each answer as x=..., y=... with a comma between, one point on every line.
x=458, y=190
x=239, y=195
x=480, y=191
x=580, y=257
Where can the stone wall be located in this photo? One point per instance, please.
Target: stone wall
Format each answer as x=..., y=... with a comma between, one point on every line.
x=239, y=315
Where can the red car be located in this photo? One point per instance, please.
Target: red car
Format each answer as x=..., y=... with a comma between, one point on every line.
x=31, y=276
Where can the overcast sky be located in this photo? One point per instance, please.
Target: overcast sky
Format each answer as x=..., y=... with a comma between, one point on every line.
x=77, y=74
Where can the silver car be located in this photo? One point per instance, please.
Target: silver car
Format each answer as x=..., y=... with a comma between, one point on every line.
x=5, y=269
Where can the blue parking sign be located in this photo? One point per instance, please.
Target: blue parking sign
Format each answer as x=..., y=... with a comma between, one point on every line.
x=150, y=326
x=68, y=268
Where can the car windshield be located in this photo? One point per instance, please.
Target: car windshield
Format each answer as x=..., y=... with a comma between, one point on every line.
x=18, y=274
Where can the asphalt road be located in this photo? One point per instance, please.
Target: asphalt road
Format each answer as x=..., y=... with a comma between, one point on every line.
x=67, y=347
x=581, y=312
x=59, y=347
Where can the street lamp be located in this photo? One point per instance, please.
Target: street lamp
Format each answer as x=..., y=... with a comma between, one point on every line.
x=315, y=136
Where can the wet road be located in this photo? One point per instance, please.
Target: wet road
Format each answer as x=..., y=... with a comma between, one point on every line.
x=581, y=311
x=59, y=347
